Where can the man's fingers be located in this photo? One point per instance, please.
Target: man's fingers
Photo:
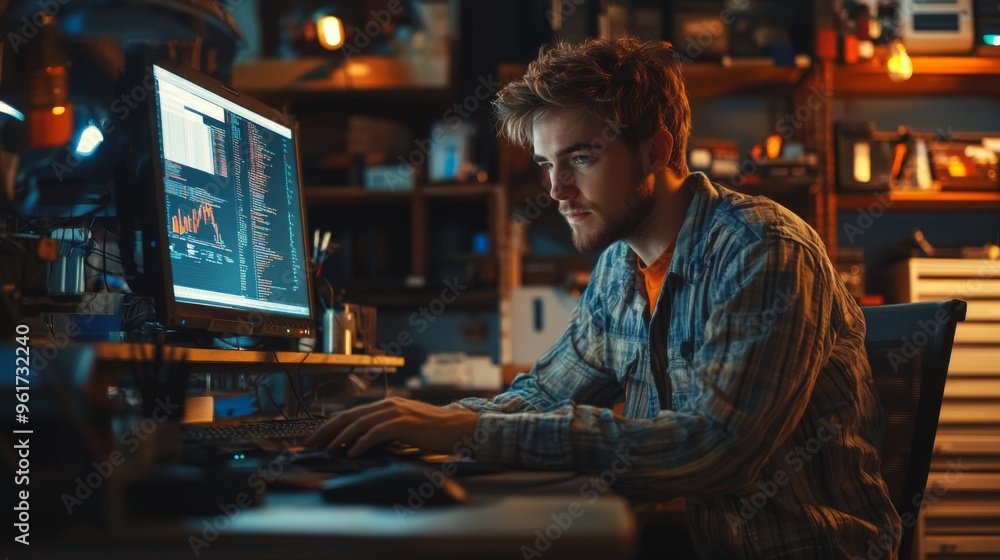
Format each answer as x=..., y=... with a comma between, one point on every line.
x=338, y=421
x=387, y=430
x=324, y=433
x=360, y=426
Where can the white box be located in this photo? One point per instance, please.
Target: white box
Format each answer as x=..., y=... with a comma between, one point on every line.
x=539, y=317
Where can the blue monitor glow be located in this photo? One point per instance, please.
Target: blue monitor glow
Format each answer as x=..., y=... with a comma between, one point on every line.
x=231, y=237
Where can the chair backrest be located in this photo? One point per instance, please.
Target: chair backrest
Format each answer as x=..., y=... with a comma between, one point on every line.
x=909, y=347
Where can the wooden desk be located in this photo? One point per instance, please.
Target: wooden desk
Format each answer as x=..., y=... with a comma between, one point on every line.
x=510, y=521
x=117, y=353
x=300, y=526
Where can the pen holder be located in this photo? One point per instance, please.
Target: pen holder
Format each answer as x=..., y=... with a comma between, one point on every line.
x=338, y=330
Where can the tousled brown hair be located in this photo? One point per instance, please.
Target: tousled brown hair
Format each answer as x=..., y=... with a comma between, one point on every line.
x=634, y=86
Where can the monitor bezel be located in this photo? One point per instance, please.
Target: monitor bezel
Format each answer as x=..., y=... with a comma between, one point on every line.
x=186, y=316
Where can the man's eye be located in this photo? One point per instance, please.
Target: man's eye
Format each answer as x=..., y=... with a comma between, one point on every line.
x=581, y=160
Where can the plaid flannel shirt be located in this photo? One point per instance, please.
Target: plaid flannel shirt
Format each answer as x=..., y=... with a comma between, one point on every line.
x=748, y=390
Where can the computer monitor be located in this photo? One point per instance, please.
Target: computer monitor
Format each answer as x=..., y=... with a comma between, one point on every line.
x=230, y=238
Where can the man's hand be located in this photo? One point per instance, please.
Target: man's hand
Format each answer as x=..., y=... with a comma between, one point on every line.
x=431, y=428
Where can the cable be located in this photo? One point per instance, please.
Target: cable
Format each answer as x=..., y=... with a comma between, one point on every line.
x=271, y=396
x=291, y=382
x=315, y=391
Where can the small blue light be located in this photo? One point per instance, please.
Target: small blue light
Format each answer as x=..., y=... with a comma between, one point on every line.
x=73, y=23
x=90, y=139
x=236, y=456
x=992, y=39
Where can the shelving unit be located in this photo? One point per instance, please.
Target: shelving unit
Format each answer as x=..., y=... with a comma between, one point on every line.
x=932, y=76
x=416, y=288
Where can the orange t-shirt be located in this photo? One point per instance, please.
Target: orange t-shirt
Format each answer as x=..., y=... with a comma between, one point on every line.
x=655, y=273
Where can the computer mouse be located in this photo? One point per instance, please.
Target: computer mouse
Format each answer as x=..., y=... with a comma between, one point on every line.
x=410, y=485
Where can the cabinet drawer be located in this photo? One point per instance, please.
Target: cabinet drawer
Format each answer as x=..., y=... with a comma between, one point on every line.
x=958, y=387
x=941, y=547
x=974, y=360
x=962, y=288
x=973, y=268
x=970, y=332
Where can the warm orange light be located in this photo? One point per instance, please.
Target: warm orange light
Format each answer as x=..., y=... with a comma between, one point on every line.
x=358, y=69
x=899, y=64
x=58, y=110
x=773, y=146
x=331, y=32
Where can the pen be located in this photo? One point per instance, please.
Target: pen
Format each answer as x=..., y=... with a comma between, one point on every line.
x=326, y=241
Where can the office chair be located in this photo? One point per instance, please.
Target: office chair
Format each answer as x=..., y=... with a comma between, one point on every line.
x=909, y=347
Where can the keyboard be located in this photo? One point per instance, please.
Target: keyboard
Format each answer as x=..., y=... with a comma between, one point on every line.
x=273, y=430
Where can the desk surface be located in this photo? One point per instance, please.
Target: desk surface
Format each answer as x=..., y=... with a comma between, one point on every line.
x=300, y=526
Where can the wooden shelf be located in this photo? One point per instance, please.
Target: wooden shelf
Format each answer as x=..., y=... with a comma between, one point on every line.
x=917, y=201
x=129, y=352
x=361, y=195
x=705, y=79
x=932, y=75
x=340, y=76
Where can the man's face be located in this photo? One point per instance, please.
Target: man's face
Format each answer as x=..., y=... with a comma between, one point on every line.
x=597, y=180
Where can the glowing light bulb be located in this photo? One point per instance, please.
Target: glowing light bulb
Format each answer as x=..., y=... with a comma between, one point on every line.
x=899, y=64
x=331, y=32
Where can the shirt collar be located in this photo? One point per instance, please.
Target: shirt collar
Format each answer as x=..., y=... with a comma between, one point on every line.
x=689, y=249
x=689, y=252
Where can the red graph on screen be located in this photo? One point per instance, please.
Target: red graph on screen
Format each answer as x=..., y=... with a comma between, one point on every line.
x=191, y=223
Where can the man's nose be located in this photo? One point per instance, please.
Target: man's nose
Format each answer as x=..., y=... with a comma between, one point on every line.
x=562, y=185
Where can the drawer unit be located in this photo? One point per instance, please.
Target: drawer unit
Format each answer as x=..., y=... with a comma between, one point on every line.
x=962, y=518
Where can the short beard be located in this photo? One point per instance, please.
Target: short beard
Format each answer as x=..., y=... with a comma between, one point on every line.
x=627, y=225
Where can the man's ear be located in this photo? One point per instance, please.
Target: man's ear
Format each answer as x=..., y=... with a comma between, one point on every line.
x=658, y=148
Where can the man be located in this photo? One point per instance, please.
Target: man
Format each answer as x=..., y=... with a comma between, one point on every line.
x=716, y=316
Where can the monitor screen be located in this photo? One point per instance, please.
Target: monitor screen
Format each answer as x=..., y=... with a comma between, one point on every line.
x=231, y=225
